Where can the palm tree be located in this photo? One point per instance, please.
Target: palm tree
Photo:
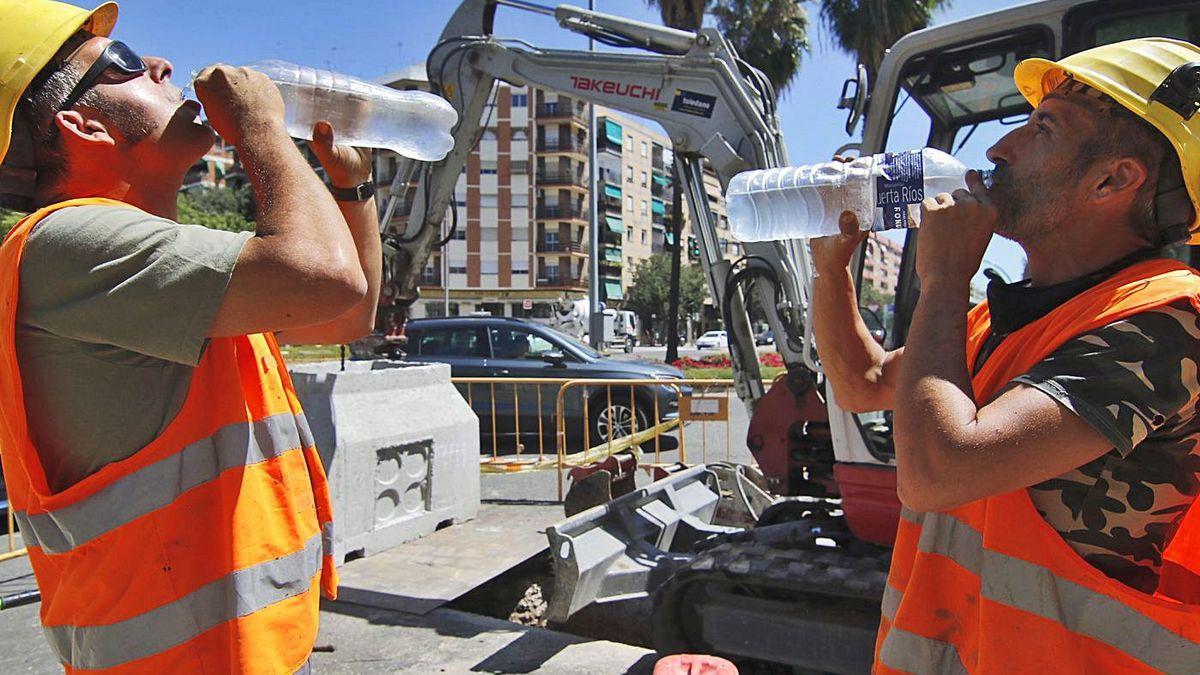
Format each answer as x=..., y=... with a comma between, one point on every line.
x=685, y=15
x=772, y=35
x=866, y=29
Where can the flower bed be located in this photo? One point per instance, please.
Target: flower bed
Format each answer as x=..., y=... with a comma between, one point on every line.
x=770, y=359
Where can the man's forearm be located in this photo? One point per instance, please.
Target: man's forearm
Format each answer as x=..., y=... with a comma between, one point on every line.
x=362, y=222
x=938, y=409
x=853, y=361
x=293, y=202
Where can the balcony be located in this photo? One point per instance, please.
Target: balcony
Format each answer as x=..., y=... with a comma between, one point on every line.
x=547, y=246
x=658, y=220
x=656, y=161
x=562, y=280
x=560, y=212
x=570, y=145
x=549, y=177
x=562, y=111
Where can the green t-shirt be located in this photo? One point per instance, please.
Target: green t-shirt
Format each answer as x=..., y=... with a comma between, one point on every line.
x=112, y=318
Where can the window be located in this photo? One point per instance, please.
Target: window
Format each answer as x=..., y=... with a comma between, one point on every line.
x=489, y=266
x=487, y=168
x=520, y=134
x=488, y=201
x=511, y=343
x=644, y=179
x=551, y=271
x=645, y=207
x=488, y=135
x=520, y=265
x=645, y=150
x=520, y=100
x=551, y=238
x=455, y=269
x=629, y=204
x=460, y=234
x=520, y=166
x=643, y=236
x=520, y=200
x=629, y=174
x=450, y=342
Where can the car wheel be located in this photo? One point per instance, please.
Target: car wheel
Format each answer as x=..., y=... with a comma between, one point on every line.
x=619, y=418
x=628, y=345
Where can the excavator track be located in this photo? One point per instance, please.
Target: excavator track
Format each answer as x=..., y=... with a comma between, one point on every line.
x=775, y=609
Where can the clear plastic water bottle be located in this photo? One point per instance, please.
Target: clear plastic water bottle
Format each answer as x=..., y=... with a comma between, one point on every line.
x=415, y=124
x=884, y=191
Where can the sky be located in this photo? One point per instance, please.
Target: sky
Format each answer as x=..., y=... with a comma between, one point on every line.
x=371, y=38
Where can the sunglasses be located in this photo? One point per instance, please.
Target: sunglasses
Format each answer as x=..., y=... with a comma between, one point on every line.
x=119, y=57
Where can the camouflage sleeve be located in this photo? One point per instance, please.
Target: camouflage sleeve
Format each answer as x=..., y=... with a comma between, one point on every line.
x=1130, y=377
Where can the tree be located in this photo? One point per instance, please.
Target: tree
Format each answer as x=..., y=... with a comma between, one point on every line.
x=651, y=289
x=771, y=35
x=230, y=209
x=866, y=29
x=8, y=219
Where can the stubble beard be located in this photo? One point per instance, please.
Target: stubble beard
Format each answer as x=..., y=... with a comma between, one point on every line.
x=1027, y=206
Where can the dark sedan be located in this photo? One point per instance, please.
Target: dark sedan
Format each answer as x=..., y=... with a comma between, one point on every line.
x=483, y=346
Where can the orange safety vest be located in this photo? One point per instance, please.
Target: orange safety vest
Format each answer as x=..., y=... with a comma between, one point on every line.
x=205, y=551
x=991, y=587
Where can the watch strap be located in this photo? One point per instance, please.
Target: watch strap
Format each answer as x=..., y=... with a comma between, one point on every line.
x=358, y=193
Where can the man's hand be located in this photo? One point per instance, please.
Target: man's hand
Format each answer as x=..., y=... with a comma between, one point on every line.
x=239, y=102
x=833, y=254
x=955, y=231
x=346, y=167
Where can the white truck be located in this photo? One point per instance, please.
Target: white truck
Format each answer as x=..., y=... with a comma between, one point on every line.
x=620, y=326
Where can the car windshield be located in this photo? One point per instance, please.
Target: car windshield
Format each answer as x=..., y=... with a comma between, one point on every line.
x=577, y=344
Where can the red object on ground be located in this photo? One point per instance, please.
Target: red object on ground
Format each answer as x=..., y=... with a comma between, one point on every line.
x=694, y=664
x=869, y=501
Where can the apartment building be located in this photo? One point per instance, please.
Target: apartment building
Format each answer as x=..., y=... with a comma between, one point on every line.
x=522, y=203
x=881, y=266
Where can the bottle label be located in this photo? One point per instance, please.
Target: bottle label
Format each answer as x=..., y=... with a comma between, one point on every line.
x=902, y=184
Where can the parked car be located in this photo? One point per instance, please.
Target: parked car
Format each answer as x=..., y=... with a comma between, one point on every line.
x=713, y=339
x=767, y=337
x=482, y=346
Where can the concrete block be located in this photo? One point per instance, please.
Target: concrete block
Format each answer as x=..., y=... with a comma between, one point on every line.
x=400, y=446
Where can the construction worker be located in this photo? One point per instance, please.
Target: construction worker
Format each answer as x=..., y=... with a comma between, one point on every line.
x=155, y=454
x=1046, y=440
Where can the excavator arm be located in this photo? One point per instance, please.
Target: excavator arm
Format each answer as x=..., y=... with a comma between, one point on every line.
x=714, y=107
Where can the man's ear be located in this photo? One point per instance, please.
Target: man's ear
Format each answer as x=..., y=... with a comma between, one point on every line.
x=81, y=131
x=1121, y=177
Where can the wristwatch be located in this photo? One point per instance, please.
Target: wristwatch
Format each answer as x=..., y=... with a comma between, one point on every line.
x=358, y=193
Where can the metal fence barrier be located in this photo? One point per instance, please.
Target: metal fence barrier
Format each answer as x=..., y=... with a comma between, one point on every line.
x=12, y=550
x=633, y=416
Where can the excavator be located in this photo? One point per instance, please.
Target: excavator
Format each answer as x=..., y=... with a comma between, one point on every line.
x=800, y=586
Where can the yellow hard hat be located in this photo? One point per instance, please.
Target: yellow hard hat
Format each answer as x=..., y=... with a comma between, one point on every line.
x=31, y=33
x=1158, y=79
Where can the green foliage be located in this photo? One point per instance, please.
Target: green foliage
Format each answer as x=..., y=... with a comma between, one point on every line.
x=648, y=294
x=867, y=28
x=8, y=219
x=681, y=14
x=873, y=297
x=230, y=209
x=772, y=35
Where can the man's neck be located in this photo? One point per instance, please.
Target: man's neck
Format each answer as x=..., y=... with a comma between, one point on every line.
x=1063, y=256
x=152, y=194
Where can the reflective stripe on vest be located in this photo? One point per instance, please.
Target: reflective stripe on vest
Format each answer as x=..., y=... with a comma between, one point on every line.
x=204, y=551
x=238, y=594
x=990, y=586
x=157, y=485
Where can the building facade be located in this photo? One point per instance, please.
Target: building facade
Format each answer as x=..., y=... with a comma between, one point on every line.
x=881, y=264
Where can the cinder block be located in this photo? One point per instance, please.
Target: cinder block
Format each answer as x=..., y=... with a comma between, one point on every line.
x=400, y=446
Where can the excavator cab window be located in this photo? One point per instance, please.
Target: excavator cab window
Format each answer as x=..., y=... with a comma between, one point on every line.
x=962, y=86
